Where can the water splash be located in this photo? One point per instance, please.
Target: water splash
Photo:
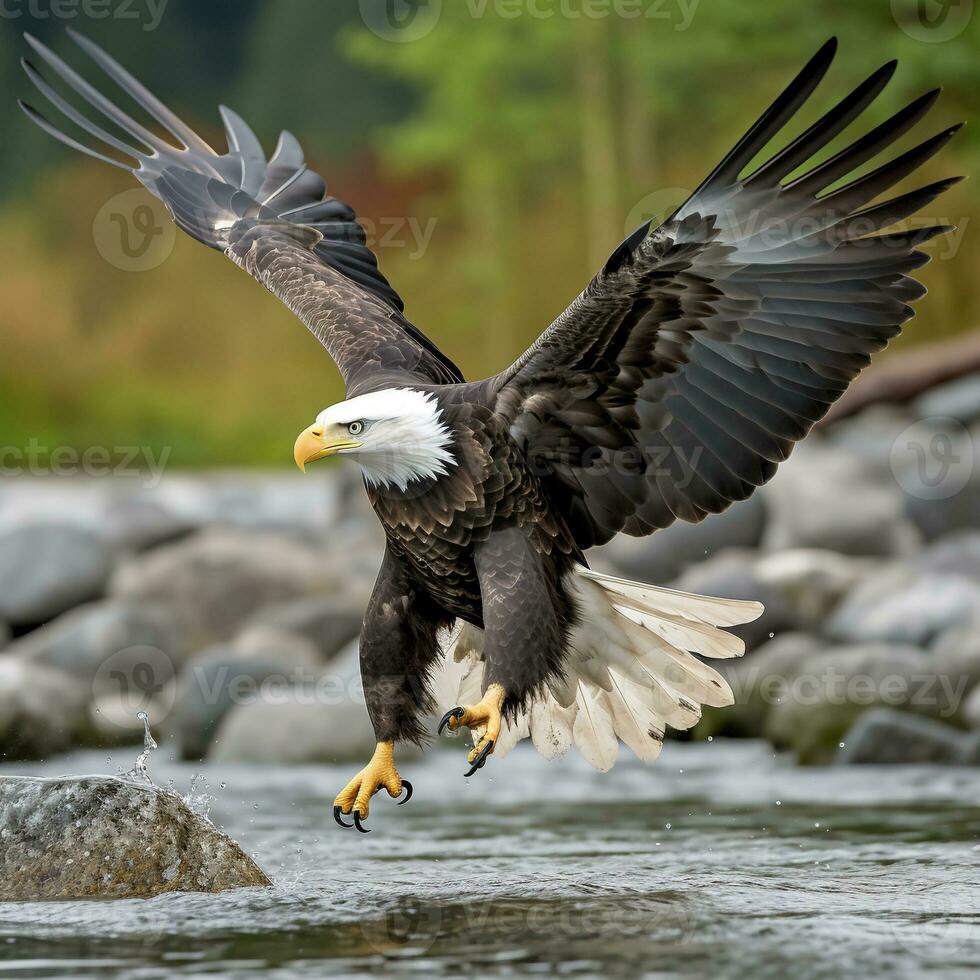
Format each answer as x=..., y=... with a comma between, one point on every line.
x=149, y=744
x=199, y=797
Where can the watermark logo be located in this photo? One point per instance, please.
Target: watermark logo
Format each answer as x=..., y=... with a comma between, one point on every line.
x=148, y=13
x=400, y=20
x=932, y=21
x=411, y=925
x=133, y=680
x=133, y=232
x=933, y=459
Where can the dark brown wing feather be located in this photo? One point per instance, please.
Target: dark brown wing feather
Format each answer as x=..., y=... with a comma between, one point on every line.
x=705, y=348
x=273, y=217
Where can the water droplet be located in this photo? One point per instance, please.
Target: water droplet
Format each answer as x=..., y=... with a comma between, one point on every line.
x=779, y=802
x=667, y=826
x=840, y=745
x=711, y=738
x=139, y=768
x=771, y=635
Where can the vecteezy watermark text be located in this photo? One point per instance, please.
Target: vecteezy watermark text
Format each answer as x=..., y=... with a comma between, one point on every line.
x=133, y=462
x=148, y=12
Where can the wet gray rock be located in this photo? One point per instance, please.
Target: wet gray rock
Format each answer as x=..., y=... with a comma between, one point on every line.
x=82, y=642
x=732, y=575
x=323, y=720
x=758, y=682
x=956, y=655
x=959, y=399
x=812, y=580
x=134, y=523
x=219, y=680
x=5, y=634
x=330, y=622
x=48, y=568
x=664, y=555
x=42, y=711
x=971, y=709
x=958, y=554
x=102, y=837
x=883, y=736
x=871, y=436
x=215, y=580
x=827, y=498
x=286, y=649
x=897, y=605
x=832, y=688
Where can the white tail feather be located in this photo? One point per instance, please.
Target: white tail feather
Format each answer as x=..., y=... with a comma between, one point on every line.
x=630, y=671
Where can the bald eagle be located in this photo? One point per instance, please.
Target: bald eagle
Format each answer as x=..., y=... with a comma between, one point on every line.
x=672, y=386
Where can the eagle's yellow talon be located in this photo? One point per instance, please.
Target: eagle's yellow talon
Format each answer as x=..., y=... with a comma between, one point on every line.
x=379, y=773
x=484, y=719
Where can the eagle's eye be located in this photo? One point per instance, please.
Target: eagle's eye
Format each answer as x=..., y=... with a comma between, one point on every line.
x=355, y=428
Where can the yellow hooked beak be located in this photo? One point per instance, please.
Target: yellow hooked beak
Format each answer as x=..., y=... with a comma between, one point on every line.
x=316, y=443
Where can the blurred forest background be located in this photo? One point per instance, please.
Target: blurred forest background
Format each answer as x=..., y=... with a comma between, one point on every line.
x=498, y=151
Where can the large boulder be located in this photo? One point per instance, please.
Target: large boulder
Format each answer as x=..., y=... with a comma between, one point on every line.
x=971, y=709
x=899, y=605
x=330, y=622
x=826, y=497
x=215, y=580
x=135, y=523
x=958, y=399
x=323, y=719
x=758, y=682
x=102, y=837
x=812, y=580
x=47, y=568
x=662, y=556
x=42, y=711
x=832, y=688
x=884, y=736
x=956, y=554
x=122, y=655
x=221, y=679
x=732, y=575
x=83, y=641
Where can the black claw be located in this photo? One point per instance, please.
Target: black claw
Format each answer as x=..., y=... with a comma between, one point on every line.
x=407, y=786
x=481, y=760
x=451, y=713
x=336, y=815
x=357, y=823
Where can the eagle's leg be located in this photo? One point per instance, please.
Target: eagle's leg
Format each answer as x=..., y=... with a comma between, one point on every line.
x=484, y=719
x=380, y=772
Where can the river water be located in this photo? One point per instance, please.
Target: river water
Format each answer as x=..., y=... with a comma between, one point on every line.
x=722, y=860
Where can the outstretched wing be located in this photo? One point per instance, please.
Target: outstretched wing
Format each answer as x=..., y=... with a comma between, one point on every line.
x=271, y=217
x=706, y=347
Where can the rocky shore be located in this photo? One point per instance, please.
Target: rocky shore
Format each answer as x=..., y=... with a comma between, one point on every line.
x=227, y=605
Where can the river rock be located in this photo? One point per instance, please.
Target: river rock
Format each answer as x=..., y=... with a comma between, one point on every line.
x=899, y=606
x=85, y=640
x=134, y=523
x=957, y=554
x=47, y=568
x=663, y=555
x=883, y=736
x=323, y=720
x=956, y=655
x=813, y=581
x=959, y=399
x=103, y=837
x=832, y=688
x=758, y=682
x=330, y=622
x=824, y=497
x=42, y=711
x=971, y=709
x=216, y=579
x=216, y=682
x=732, y=575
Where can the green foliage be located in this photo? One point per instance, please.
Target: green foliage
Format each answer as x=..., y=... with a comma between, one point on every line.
x=528, y=145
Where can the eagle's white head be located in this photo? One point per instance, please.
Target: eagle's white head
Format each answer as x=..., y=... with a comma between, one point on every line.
x=397, y=435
